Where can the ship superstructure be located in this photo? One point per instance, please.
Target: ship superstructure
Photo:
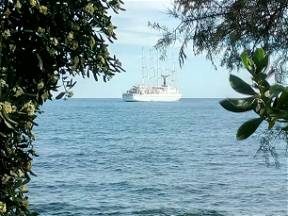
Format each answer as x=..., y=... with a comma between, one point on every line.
x=163, y=93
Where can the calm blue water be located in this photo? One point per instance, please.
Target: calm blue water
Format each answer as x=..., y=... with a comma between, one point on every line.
x=108, y=157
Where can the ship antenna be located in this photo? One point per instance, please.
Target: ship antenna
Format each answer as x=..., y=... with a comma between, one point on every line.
x=173, y=73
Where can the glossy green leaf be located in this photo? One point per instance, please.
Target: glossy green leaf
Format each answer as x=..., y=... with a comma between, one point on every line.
x=276, y=89
x=248, y=128
x=260, y=76
x=238, y=105
x=260, y=59
x=247, y=62
x=240, y=86
x=283, y=99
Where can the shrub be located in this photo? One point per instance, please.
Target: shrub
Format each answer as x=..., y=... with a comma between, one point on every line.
x=43, y=44
x=270, y=102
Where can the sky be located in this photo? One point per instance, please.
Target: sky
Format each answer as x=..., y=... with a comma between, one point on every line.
x=198, y=78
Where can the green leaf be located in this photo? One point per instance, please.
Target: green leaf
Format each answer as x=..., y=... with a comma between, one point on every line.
x=283, y=99
x=240, y=86
x=285, y=128
x=260, y=76
x=9, y=119
x=59, y=96
x=261, y=80
x=6, y=122
x=3, y=135
x=40, y=62
x=248, y=128
x=32, y=173
x=238, y=105
x=247, y=62
x=260, y=59
x=276, y=89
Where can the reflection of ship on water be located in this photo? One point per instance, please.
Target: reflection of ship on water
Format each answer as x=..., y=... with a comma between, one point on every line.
x=147, y=92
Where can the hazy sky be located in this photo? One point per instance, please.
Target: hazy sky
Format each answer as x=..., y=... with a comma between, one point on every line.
x=198, y=78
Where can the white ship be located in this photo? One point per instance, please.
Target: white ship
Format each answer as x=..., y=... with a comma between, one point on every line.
x=145, y=93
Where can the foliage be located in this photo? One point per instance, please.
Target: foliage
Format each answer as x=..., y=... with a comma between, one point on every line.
x=225, y=27
x=44, y=43
x=268, y=141
x=270, y=102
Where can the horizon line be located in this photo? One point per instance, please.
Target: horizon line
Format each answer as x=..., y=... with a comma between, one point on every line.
x=121, y=98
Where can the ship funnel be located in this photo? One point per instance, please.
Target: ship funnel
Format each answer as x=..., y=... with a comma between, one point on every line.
x=164, y=80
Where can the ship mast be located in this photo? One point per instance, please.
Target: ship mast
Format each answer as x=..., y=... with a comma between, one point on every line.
x=142, y=67
x=173, y=74
x=157, y=71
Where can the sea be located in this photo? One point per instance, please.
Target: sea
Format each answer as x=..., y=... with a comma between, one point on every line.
x=108, y=157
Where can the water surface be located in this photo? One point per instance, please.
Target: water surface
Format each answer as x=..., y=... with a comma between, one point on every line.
x=108, y=157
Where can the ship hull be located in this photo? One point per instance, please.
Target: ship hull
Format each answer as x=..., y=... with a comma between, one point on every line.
x=151, y=97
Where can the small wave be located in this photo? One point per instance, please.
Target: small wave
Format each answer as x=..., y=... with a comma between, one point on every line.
x=173, y=212
x=203, y=213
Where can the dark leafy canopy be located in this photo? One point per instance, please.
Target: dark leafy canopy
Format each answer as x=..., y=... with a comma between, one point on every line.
x=44, y=44
x=226, y=27
x=66, y=37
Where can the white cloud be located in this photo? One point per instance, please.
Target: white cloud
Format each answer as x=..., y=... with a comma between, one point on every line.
x=132, y=24
x=136, y=39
